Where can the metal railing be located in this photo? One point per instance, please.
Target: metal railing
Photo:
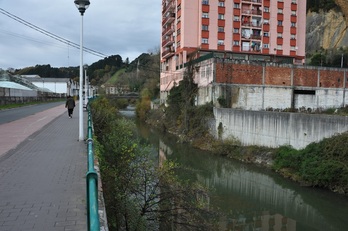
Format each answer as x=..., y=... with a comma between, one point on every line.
x=92, y=181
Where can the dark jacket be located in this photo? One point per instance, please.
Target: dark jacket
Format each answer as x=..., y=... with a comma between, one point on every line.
x=70, y=103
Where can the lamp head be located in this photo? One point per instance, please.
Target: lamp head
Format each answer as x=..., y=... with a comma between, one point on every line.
x=82, y=5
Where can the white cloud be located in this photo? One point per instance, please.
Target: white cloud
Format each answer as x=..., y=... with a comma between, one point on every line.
x=127, y=28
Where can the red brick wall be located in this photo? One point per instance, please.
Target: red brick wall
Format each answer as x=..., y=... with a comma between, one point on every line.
x=331, y=78
x=278, y=75
x=305, y=77
x=236, y=73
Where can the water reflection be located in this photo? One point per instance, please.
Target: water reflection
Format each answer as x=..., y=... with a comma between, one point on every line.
x=251, y=197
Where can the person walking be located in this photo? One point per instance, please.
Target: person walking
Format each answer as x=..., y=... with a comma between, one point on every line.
x=70, y=104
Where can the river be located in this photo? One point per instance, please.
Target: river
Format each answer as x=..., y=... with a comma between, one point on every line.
x=252, y=197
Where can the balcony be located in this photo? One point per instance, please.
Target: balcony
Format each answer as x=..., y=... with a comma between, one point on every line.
x=168, y=19
x=167, y=31
x=252, y=12
x=253, y=1
x=168, y=53
x=251, y=24
x=167, y=42
x=170, y=7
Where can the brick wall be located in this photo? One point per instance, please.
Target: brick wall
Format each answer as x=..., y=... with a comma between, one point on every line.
x=278, y=75
x=235, y=73
x=331, y=78
x=305, y=77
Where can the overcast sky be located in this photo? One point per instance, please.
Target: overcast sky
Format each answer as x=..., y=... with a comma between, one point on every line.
x=111, y=27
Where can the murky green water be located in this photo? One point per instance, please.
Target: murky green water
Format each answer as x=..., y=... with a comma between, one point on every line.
x=253, y=198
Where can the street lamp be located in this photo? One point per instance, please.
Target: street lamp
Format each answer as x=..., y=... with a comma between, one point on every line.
x=81, y=5
x=86, y=85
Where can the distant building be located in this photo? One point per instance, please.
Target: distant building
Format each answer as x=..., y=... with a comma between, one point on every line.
x=252, y=30
x=56, y=85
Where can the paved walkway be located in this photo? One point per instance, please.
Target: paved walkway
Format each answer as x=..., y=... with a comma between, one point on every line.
x=42, y=173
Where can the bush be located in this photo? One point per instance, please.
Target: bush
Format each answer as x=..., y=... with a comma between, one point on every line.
x=323, y=164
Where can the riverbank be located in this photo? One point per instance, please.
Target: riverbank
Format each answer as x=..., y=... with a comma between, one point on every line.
x=323, y=164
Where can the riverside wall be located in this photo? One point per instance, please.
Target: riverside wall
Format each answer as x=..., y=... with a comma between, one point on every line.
x=273, y=129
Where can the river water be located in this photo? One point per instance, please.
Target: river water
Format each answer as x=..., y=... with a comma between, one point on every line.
x=253, y=198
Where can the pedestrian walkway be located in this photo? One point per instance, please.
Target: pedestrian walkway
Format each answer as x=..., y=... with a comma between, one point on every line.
x=42, y=173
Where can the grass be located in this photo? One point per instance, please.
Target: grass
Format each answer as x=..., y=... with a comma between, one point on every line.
x=114, y=78
x=16, y=105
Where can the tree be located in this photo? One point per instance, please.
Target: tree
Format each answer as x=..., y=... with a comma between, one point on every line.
x=140, y=195
x=181, y=98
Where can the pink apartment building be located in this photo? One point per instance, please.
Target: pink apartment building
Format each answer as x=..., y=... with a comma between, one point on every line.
x=255, y=30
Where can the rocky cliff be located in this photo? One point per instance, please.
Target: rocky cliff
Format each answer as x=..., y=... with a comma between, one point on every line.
x=327, y=30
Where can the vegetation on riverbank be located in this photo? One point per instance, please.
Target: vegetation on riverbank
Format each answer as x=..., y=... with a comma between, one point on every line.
x=323, y=164
x=140, y=195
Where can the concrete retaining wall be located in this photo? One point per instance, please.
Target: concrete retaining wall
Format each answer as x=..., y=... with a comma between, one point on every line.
x=273, y=129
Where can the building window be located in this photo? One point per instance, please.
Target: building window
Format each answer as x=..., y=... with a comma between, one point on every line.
x=236, y=5
x=221, y=29
x=293, y=2
x=205, y=41
x=293, y=24
x=222, y=4
x=178, y=31
x=279, y=35
x=220, y=42
x=292, y=36
x=279, y=47
x=236, y=18
x=205, y=2
x=236, y=43
x=266, y=9
x=280, y=11
x=265, y=45
x=280, y=23
x=179, y=7
x=265, y=21
x=205, y=27
x=266, y=34
x=205, y=15
x=293, y=48
x=221, y=16
x=236, y=30
x=293, y=12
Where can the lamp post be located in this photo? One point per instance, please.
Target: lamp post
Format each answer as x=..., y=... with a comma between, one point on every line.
x=86, y=85
x=81, y=5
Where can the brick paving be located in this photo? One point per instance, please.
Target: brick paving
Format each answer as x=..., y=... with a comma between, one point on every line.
x=42, y=173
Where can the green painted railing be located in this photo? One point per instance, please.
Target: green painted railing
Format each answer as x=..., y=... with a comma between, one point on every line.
x=92, y=181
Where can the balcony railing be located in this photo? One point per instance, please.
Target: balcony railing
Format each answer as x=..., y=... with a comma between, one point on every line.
x=252, y=24
x=167, y=53
x=167, y=31
x=254, y=1
x=167, y=42
x=170, y=7
x=168, y=19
